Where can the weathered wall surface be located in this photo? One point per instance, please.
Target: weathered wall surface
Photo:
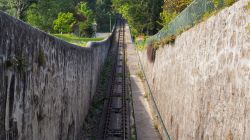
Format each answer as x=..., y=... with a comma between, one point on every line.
x=46, y=84
x=201, y=83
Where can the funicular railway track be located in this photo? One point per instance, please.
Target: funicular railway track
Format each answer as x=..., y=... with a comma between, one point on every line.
x=115, y=122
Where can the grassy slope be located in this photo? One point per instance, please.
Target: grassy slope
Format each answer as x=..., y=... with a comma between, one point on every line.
x=75, y=39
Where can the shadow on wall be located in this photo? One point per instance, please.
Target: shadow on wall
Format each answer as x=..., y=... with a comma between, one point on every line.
x=46, y=84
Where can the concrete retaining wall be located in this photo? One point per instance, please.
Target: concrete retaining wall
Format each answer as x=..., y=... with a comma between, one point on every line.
x=201, y=83
x=46, y=84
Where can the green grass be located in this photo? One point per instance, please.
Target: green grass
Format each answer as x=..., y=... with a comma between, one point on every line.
x=75, y=39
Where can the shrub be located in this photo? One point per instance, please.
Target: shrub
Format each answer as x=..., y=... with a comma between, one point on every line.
x=166, y=17
x=84, y=15
x=64, y=22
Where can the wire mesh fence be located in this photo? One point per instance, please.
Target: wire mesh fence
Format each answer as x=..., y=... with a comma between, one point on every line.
x=187, y=18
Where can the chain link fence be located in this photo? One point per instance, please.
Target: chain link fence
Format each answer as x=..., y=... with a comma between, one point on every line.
x=188, y=18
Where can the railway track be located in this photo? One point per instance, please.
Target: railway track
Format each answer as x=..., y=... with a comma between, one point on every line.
x=115, y=123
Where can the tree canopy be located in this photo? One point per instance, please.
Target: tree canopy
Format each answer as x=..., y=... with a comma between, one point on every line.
x=145, y=17
x=142, y=15
x=64, y=22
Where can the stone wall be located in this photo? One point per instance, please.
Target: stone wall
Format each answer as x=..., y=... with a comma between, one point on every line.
x=46, y=84
x=201, y=82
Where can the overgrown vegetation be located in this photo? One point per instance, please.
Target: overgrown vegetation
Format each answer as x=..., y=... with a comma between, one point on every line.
x=64, y=22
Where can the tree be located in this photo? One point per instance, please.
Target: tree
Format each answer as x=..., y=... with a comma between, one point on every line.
x=103, y=14
x=16, y=8
x=84, y=20
x=172, y=8
x=64, y=22
x=140, y=14
x=44, y=12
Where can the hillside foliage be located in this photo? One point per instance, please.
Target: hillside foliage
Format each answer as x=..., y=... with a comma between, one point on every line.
x=142, y=15
x=44, y=14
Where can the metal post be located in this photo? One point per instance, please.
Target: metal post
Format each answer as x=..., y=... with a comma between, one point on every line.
x=110, y=22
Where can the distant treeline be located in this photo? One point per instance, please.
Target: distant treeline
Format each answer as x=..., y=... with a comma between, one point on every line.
x=66, y=16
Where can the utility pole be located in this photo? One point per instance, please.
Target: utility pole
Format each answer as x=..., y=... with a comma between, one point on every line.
x=110, y=22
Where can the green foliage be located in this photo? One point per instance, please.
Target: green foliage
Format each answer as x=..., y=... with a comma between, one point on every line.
x=229, y=2
x=216, y=3
x=43, y=13
x=84, y=17
x=197, y=11
x=219, y=5
x=206, y=15
x=103, y=14
x=166, y=17
x=177, y=6
x=171, y=9
x=6, y=7
x=83, y=9
x=140, y=14
x=64, y=22
x=140, y=42
x=140, y=46
x=16, y=8
x=166, y=40
x=61, y=16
